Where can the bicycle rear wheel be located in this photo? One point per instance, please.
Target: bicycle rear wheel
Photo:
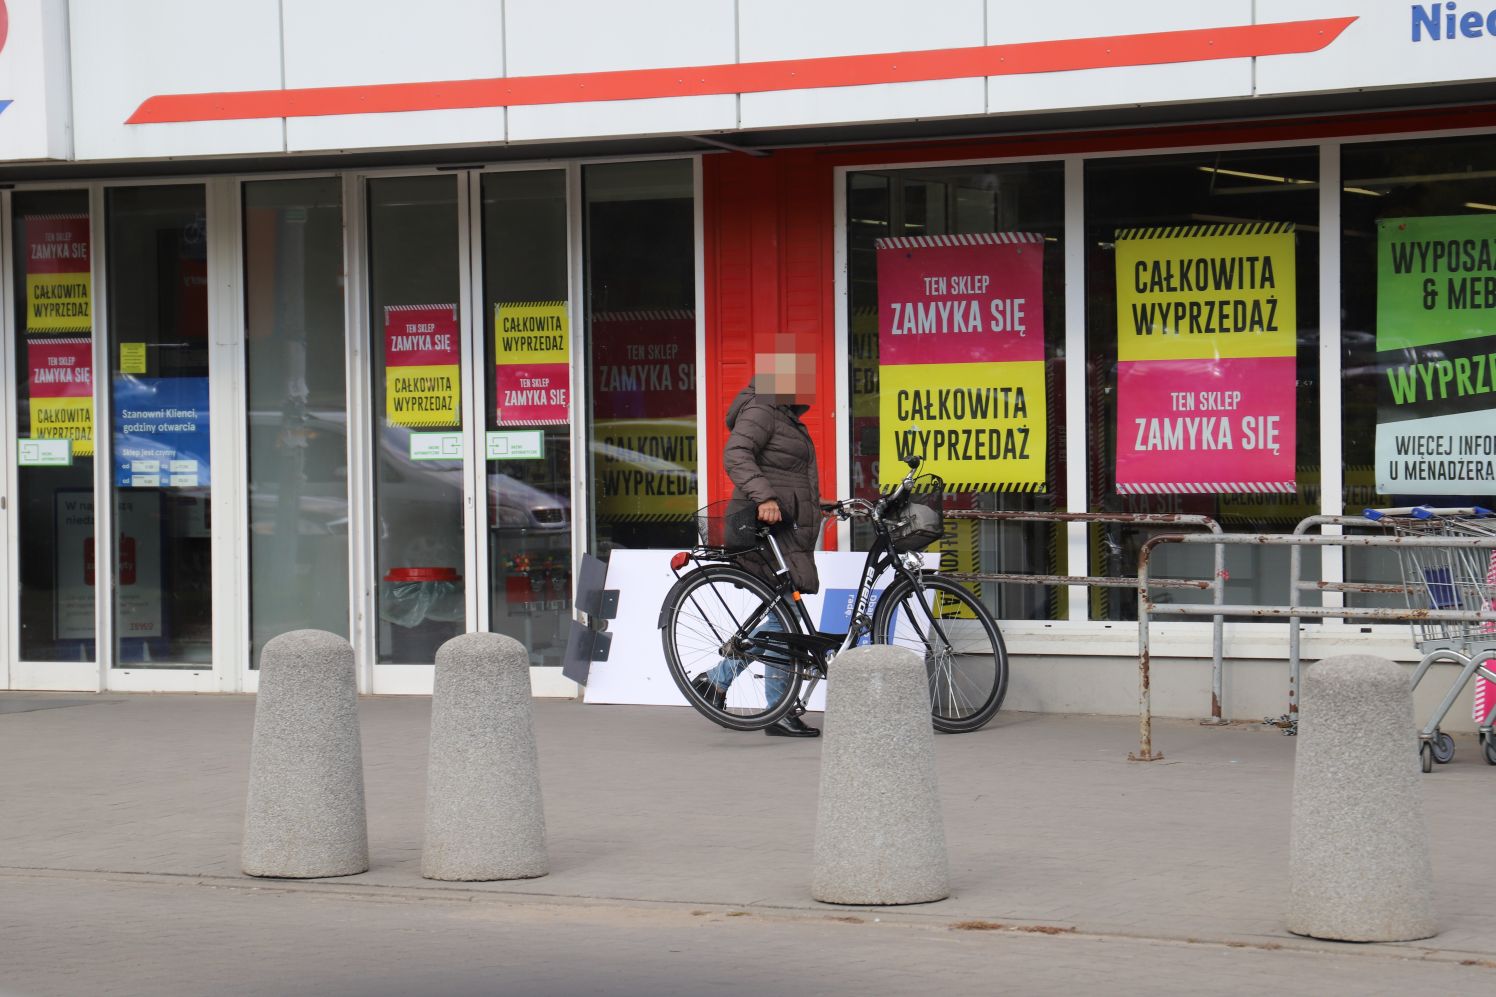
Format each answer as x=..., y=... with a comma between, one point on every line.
x=718, y=666
x=963, y=650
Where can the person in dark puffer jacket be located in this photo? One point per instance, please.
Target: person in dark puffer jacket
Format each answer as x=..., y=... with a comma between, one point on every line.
x=771, y=460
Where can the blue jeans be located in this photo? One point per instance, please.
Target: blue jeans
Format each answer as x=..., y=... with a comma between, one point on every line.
x=776, y=680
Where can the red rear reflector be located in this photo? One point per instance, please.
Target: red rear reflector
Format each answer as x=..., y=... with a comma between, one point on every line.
x=679, y=561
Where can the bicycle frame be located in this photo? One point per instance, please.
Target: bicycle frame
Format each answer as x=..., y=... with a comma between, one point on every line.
x=880, y=558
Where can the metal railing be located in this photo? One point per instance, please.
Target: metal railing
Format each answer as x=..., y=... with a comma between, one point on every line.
x=1120, y=581
x=1293, y=612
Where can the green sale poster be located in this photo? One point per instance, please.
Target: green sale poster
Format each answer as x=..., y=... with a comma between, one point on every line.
x=1436, y=352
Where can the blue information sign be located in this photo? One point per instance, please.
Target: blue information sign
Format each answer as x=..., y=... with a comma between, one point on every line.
x=161, y=435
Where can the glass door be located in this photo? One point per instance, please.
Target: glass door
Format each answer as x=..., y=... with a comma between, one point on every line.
x=526, y=308
x=160, y=451
x=297, y=426
x=470, y=312
x=51, y=581
x=417, y=249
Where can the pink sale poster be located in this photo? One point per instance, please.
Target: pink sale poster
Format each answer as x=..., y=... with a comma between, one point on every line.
x=1207, y=337
x=961, y=298
x=1205, y=426
x=533, y=395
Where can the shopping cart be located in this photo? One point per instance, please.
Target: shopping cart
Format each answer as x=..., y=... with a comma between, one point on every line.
x=1459, y=578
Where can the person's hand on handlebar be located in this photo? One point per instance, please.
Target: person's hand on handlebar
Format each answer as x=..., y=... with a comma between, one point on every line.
x=768, y=512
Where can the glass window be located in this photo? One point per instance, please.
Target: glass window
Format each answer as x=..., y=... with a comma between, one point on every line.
x=298, y=418
x=527, y=349
x=913, y=288
x=158, y=321
x=1218, y=376
x=1418, y=237
x=641, y=320
x=54, y=402
x=414, y=269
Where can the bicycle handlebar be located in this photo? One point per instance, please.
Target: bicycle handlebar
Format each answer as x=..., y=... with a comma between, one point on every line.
x=860, y=508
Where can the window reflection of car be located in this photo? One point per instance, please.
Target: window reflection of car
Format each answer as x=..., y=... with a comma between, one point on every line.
x=416, y=498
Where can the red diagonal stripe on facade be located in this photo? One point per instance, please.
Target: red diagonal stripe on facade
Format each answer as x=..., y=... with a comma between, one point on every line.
x=1153, y=49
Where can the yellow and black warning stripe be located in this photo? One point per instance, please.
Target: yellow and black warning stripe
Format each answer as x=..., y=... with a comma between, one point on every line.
x=1203, y=231
x=646, y=517
x=1010, y=487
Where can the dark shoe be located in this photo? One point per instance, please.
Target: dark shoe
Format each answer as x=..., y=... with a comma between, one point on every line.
x=709, y=690
x=791, y=727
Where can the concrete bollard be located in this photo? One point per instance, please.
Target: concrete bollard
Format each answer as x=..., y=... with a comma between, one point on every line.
x=305, y=814
x=880, y=838
x=484, y=819
x=1359, y=864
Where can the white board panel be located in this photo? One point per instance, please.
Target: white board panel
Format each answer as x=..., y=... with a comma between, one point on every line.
x=792, y=29
x=1379, y=48
x=635, y=672
x=124, y=53
x=1110, y=87
x=328, y=45
x=580, y=36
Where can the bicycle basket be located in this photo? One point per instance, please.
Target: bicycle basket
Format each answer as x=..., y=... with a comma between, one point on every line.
x=720, y=529
x=919, y=520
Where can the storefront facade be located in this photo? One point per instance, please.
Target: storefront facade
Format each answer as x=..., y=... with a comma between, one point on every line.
x=376, y=326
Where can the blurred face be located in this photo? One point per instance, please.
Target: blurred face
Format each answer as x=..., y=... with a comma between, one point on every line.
x=788, y=378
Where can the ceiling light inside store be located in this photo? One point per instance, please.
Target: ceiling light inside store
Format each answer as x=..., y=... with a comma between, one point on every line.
x=1364, y=191
x=1424, y=178
x=1245, y=175
x=1477, y=205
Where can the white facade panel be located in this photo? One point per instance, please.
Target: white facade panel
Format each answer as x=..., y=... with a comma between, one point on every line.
x=36, y=120
x=124, y=53
x=876, y=102
x=1183, y=81
x=791, y=29
x=75, y=70
x=546, y=38
x=1379, y=49
x=329, y=45
x=660, y=116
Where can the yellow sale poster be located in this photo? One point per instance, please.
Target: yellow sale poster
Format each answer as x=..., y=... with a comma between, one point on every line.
x=979, y=426
x=422, y=372
x=59, y=286
x=60, y=383
x=532, y=357
x=1207, y=337
x=961, y=360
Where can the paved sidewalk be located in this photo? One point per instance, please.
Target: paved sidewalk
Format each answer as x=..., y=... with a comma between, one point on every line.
x=1047, y=823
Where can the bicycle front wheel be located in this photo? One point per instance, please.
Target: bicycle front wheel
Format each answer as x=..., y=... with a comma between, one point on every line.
x=963, y=650
x=729, y=677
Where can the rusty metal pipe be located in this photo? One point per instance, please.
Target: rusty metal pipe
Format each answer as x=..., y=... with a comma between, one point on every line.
x=1384, y=614
x=1096, y=580
x=1145, y=679
x=1117, y=518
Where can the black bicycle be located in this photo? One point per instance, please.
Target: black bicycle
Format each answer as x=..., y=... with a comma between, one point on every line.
x=746, y=653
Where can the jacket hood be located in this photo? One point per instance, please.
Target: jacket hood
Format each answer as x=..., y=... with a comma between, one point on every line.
x=749, y=396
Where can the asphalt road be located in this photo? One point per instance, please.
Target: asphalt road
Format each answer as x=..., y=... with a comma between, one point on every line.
x=76, y=934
